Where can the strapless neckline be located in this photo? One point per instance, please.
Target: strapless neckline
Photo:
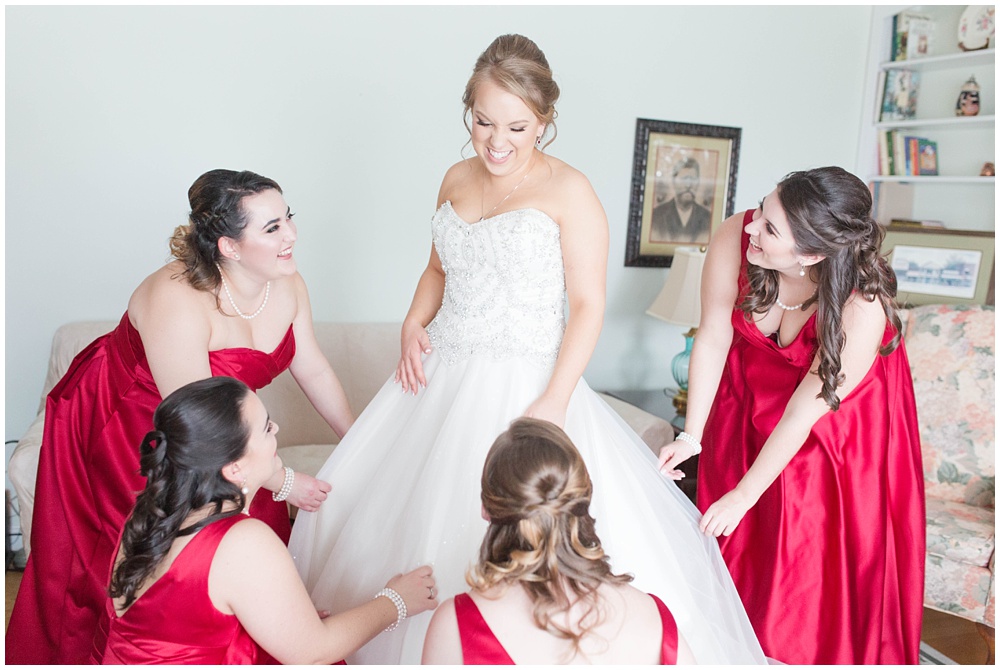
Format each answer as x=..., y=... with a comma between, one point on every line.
x=496, y=217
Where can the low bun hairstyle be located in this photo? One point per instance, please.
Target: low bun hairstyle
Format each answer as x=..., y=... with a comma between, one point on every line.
x=198, y=430
x=517, y=65
x=216, y=200
x=829, y=212
x=537, y=492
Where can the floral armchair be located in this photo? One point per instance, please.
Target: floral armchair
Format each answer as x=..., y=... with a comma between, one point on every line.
x=952, y=360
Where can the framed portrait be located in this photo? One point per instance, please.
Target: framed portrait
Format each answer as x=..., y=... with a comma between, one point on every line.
x=683, y=185
x=934, y=265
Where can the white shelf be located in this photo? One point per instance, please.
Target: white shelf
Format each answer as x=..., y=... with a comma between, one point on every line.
x=987, y=120
x=967, y=58
x=936, y=179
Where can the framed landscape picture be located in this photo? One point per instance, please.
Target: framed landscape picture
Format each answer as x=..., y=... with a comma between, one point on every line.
x=683, y=186
x=941, y=266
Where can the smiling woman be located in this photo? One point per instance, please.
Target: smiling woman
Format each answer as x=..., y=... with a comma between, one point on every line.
x=178, y=328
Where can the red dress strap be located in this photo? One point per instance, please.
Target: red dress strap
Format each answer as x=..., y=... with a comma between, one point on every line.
x=479, y=645
x=668, y=652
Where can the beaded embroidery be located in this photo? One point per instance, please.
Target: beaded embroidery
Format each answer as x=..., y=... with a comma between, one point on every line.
x=504, y=291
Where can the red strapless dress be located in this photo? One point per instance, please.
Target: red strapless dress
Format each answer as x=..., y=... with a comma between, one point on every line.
x=88, y=479
x=481, y=647
x=174, y=622
x=830, y=561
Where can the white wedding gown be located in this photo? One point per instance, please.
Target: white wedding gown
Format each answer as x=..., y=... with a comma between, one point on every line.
x=406, y=477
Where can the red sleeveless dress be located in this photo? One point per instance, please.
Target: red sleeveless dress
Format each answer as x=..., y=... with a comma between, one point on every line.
x=88, y=479
x=481, y=647
x=174, y=622
x=830, y=561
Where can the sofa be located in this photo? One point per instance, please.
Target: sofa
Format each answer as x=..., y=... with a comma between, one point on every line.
x=364, y=355
x=953, y=363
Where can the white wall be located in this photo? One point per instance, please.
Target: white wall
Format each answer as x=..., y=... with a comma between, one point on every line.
x=112, y=112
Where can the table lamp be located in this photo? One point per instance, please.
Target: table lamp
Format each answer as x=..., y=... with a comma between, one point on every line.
x=679, y=302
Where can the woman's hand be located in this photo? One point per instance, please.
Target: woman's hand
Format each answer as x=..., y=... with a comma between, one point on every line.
x=417, y=588
x=414, y=343
x=725, y=514
x=547, y=409
x=672, y=455
x=308, y=492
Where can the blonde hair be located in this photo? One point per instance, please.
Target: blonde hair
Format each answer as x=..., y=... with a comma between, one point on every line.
x=517, y=65
x=536, y=491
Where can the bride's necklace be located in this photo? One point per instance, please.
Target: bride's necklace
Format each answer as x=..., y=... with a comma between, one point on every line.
x=225, y=286
x=483, y=200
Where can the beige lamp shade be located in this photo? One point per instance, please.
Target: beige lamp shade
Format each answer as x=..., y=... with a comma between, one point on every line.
x=679, y=301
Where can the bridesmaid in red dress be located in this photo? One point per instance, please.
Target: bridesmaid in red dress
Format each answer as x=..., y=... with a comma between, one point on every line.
x=801, y=393
x=186, y=586
x=543, y=591
x=232, y=295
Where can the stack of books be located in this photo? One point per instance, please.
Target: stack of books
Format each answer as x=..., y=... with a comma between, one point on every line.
x=911, y=35
x=905, y=155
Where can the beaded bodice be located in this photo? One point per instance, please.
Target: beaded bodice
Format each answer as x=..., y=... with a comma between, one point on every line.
x=504, y=289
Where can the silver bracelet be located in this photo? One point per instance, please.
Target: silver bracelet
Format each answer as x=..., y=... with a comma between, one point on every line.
x=397, y=600
x=684, y=437
x=286, y=486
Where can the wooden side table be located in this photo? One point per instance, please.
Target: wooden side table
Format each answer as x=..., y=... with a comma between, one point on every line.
x=659, y=402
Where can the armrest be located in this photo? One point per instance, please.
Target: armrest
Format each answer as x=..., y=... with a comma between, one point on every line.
x=653, y=430
x=23, y=471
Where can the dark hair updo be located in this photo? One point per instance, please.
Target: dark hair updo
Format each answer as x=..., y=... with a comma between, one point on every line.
x=536, y=491
x=197, y=430
x=518, y=66
x=216, y=200
x=829, y=212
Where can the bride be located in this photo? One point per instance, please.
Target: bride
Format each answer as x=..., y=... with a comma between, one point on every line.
x=516, y=235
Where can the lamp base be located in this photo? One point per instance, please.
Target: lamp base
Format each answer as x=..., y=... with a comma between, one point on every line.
x=681, y=402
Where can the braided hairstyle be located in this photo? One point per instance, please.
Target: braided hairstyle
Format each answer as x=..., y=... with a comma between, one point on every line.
x=829, y=212
x=216, y=200
x=536, y=491
x=518, y=66
x=198, y=430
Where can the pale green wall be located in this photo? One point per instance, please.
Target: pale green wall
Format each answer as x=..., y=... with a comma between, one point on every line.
x=112, y=112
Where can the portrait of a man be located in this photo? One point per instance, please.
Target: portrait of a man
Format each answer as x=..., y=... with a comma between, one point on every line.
x=682, y=219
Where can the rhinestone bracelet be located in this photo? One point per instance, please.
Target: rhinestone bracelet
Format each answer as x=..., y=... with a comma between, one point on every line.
x=286, y=486
x=397, y=600
x=684, y=437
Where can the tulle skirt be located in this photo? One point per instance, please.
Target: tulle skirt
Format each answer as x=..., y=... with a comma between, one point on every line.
x=406, y=486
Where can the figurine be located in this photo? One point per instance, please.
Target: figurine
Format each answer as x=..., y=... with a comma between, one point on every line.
x=989, y=170
x=968, y=99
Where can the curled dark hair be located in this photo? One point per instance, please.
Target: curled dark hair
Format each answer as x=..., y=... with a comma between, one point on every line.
x=517, y=65
x=198, y=429
x=216, y=200
x=829, y=212
x=536, y=491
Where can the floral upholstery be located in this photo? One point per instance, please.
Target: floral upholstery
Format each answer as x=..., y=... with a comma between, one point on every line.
x=952, y=360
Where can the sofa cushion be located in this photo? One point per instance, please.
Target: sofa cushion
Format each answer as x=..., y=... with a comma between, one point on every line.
x=959, y=532
x=955, y=402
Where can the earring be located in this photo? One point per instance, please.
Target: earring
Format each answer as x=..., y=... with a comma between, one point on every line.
x=243, y=487
x=236, y=257
x=802, y=270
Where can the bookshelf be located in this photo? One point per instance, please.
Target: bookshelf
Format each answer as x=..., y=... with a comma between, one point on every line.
x=958, y=196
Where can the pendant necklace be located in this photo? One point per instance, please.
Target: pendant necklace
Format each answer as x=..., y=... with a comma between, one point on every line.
x=225, y=286
x=483, y=200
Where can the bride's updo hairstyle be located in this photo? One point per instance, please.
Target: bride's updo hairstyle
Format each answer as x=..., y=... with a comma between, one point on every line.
x=829, y=213
x=216, y=200
x=518, y=66
x=197, y=430
x=536, y=492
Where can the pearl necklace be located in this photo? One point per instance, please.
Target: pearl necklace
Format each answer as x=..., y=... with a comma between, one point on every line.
x=788, y=308
x=225, y=286
x=506, y=196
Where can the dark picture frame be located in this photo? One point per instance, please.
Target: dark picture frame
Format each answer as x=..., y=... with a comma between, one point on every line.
x=683, y=187
x=940, y=266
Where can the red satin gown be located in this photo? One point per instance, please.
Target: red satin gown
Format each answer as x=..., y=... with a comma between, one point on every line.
x=174, y=622
x=88, y=479
x=830, y=561
x=481, y=647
